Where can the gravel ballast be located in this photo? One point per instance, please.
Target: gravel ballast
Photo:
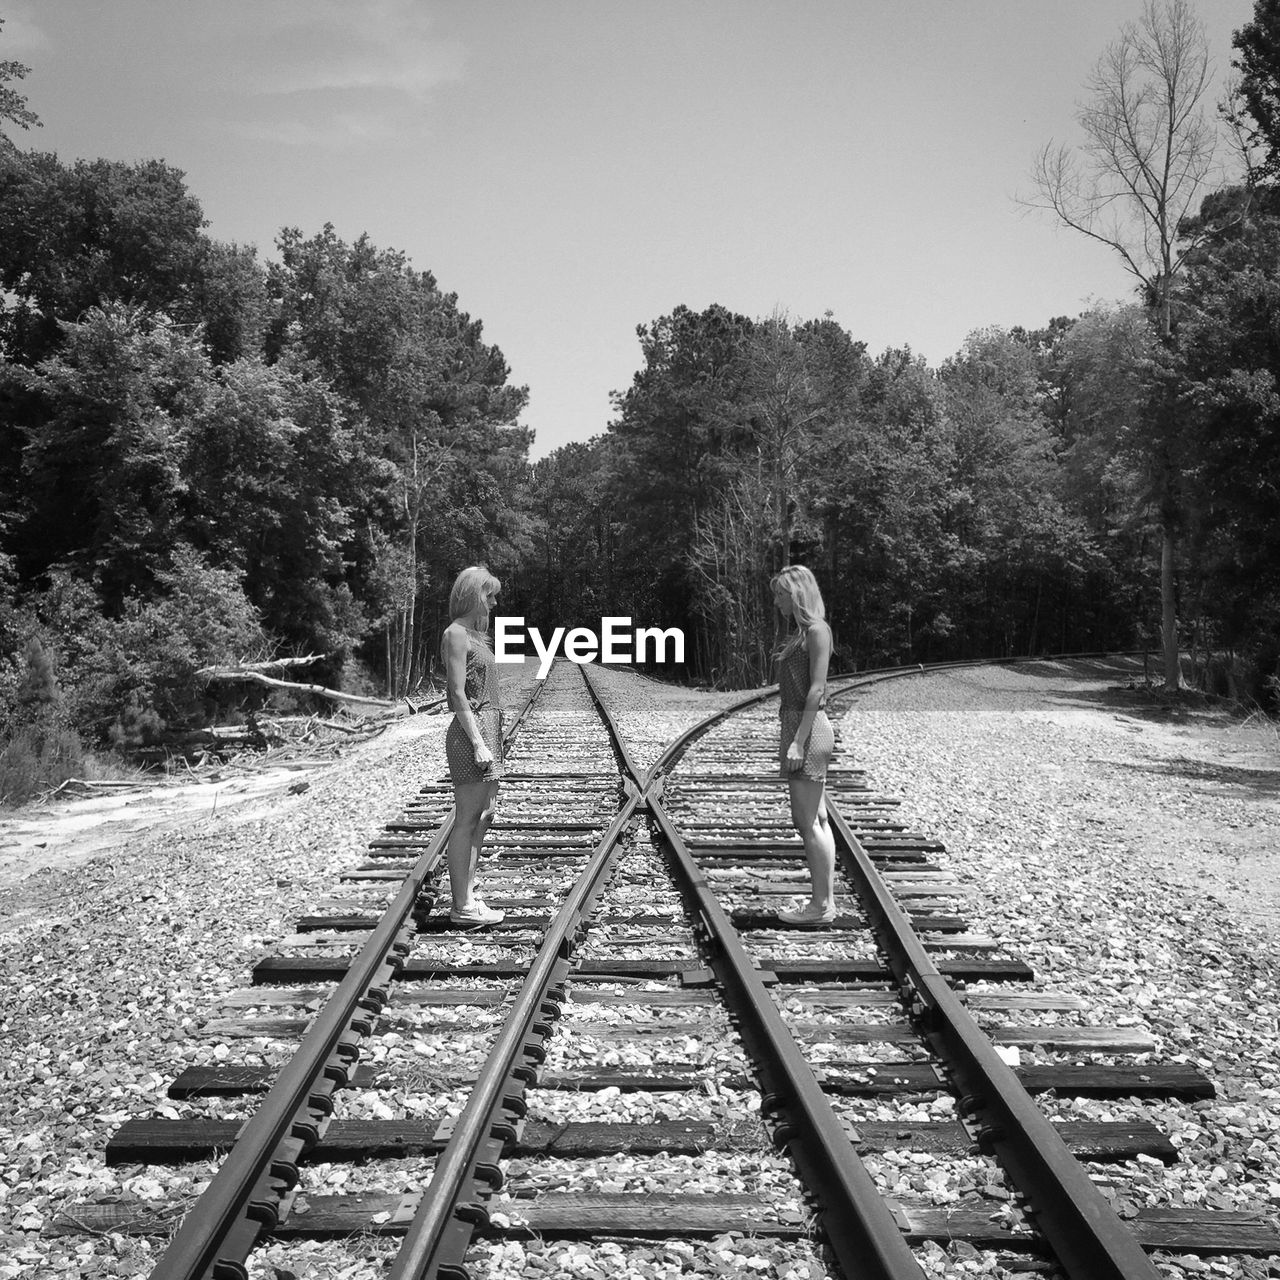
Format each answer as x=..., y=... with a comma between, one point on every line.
x=1126, y=859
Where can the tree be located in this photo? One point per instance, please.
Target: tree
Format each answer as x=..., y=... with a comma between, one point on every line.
x=734, y=540
x=570, y=575
x=436, y=448
x=13, y=105
x=268, y=492
x=676, y=440
x=82, y=236
x=102, y=468
x=1230, y=348
x=785, y=409
x=1148, y=154
x=1258, y=87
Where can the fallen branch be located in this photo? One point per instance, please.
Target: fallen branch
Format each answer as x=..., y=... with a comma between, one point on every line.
x=251, y=674
x=426, y=707
x=343, y=728
x=210, y=672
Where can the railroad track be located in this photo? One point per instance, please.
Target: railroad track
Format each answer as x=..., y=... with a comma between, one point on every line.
x=642, y=971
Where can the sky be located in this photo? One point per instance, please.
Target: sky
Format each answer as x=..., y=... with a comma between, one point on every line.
x=574, y=168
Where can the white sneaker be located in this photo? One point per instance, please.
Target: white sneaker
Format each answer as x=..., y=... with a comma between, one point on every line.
x=807, y=917
x=476, y=915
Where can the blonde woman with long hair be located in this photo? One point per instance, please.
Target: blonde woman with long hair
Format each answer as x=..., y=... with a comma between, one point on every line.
x=808, y=739
x=473, y=742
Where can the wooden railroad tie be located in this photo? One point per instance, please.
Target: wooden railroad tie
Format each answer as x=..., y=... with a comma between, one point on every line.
x=569, y=1215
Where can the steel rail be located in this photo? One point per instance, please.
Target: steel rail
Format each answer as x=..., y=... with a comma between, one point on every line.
x=447, y=1215
x=615, y=732
x=1089, y=1239
x=859, y=1225
x=254, y=1187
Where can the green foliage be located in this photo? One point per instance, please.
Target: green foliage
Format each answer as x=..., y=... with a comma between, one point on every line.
x=136, y=726
x=103, y=470
x=1258, y=46
x=36, y=760
x=673, y=444
x=13, y=105
x=436, y=460
x=149, y=654
x=1230, y=364
x=37, y=698
x=40, y=750
x=269, y=484
x=89, y=234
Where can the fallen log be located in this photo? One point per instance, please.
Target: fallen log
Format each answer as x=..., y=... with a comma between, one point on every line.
x=265, y=666
x=249, y=673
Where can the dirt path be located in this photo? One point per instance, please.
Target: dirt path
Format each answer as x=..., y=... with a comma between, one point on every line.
x=65, y=833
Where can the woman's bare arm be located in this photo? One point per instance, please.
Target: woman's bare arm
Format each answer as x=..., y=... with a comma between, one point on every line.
x=454, y=645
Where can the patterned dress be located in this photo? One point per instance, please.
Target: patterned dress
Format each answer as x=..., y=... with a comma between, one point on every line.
x=793, y=684
x=481, y=690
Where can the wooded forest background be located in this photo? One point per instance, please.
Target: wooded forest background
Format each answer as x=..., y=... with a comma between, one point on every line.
x=206, y=457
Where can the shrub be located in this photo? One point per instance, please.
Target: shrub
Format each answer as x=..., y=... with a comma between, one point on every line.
x=38, y=759
x=136, y=726
x=42, y=750
x=128, y=678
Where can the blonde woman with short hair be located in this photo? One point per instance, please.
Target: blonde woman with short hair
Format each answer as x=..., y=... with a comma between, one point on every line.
x=807, y=737
x=473, y=742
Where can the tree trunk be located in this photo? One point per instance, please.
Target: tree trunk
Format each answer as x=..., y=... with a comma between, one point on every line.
x=1168, y=609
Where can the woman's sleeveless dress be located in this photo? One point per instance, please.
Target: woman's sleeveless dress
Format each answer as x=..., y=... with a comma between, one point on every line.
x=793, y=684
x=481, y=689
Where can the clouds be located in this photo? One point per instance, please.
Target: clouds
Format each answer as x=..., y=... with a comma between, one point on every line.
x=327, y=73
x=20, y=34
x=331, y=47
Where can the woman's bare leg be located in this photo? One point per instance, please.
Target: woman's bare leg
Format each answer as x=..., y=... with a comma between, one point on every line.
x=469, y=825
x=809, y=813
x=482, y=826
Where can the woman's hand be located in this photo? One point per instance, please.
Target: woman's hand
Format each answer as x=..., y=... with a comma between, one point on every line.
x=483, y=754
x=795, y=756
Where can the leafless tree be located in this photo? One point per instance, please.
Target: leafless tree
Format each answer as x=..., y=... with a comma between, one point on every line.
x=1148, y=156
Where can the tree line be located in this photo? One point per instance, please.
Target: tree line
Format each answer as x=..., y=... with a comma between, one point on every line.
x=206, y=457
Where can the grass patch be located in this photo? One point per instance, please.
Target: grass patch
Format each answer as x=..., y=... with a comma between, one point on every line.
x=38, y=760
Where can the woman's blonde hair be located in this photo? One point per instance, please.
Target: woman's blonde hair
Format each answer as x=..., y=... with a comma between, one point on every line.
x=800, y=584
x=467, y=589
